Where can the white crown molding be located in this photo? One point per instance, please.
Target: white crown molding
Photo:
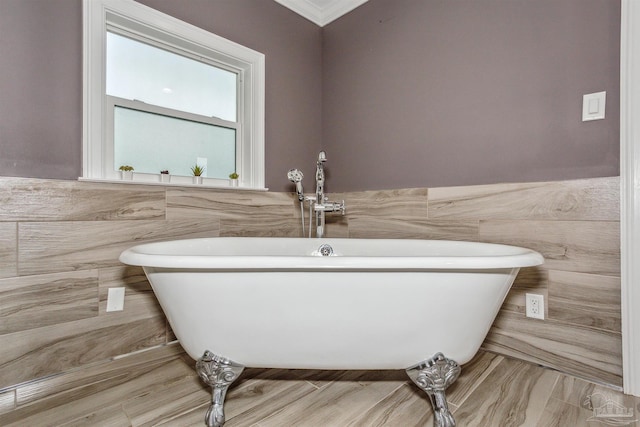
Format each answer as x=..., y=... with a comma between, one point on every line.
x=321, y=15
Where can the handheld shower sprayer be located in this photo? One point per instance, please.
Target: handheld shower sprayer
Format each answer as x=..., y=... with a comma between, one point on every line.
x=296, y=176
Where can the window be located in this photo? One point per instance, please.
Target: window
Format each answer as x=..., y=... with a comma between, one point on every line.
x=161, y=94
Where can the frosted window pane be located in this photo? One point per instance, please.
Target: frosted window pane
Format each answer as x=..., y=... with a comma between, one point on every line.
x=153, y=142
x=140, y=71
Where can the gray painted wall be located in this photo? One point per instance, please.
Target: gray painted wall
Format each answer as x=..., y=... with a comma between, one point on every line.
x=424, y=93
x=41, y=80
x=41, y=88
x=401, y=93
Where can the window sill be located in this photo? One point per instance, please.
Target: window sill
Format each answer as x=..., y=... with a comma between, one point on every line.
x=216, y=184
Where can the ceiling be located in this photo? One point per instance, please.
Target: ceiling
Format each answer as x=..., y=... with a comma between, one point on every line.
x=321, y=12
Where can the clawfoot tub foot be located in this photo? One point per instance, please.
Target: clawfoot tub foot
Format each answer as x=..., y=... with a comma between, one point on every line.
x=434, y=376
x=217, y=372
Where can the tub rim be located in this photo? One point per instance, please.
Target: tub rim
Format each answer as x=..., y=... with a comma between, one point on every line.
x=510, y=257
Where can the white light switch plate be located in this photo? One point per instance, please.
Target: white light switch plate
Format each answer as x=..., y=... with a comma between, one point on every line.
x=115, y=299
x=593, y=106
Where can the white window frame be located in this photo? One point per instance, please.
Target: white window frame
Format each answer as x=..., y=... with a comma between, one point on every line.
x=630, y=194
x=129, y=16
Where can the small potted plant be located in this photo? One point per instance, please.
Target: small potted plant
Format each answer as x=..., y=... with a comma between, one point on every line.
x=197, y=172
x=164, y=176
x=233, y=179
x=126, y=172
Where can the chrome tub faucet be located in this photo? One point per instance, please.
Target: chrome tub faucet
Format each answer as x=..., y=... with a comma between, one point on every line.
x=318, y=204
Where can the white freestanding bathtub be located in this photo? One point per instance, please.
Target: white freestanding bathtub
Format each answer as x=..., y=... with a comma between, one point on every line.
x=421, y=305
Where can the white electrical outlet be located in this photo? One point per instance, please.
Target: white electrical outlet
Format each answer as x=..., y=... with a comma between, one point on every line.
x=535, y=306
x=115, y=299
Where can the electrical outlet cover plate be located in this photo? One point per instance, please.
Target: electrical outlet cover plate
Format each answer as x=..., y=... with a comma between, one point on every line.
x=535, y=306
x=115, y=299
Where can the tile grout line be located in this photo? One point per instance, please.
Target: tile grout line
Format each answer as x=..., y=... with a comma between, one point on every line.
x=492, y=366
x=315, y=386
x=17, y=234
x=387, y=395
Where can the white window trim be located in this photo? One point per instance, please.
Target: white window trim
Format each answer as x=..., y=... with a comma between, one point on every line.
x=99, y=14
x=630, y=194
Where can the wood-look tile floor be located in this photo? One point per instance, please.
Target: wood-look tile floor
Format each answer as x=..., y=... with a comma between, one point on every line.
x=491, y=391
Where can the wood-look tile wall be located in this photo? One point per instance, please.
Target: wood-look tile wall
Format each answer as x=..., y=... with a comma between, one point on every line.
x=59, y=243
x=574, y=224
x=59, y=248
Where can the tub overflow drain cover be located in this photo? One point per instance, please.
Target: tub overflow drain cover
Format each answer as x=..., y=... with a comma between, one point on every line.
x=325, y=250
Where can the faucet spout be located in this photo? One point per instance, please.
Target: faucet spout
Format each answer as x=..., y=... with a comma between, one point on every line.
x=320, y=197
x=322, y=157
